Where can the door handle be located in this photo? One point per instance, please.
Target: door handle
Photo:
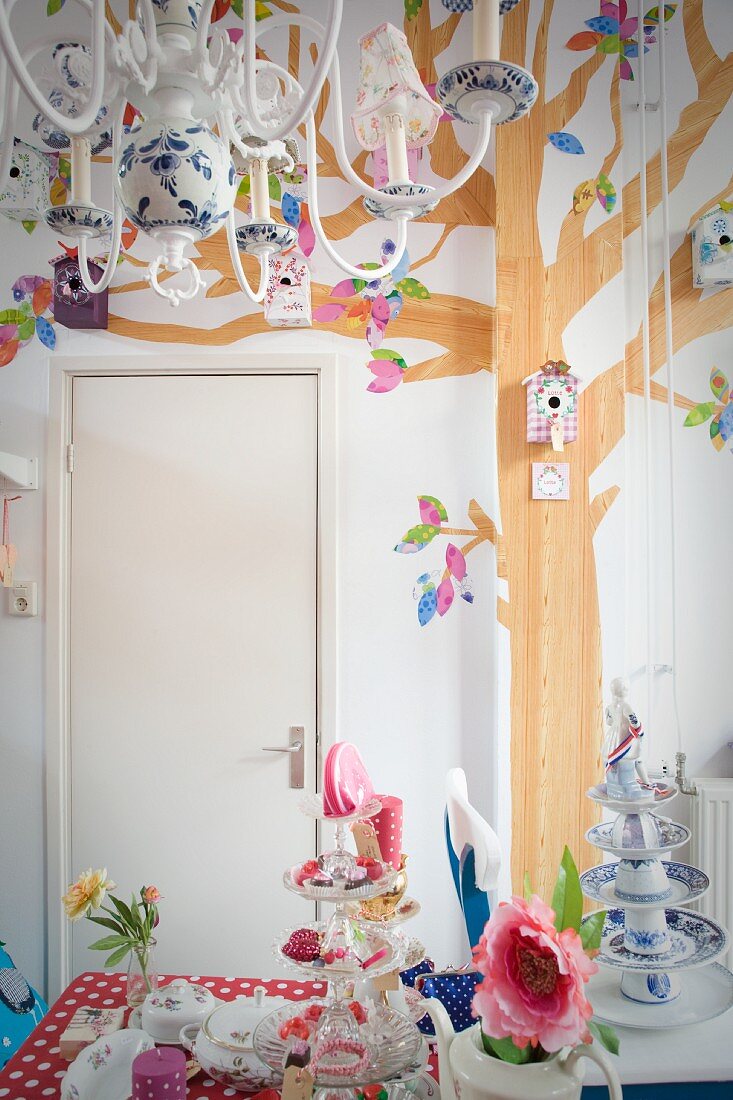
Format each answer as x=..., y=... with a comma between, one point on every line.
x=296, y=751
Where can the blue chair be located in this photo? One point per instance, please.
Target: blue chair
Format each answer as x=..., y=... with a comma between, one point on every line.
x=474, y=853
x=21, y=1008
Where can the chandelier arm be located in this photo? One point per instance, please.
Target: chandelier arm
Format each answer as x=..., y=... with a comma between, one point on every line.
x=355, y=272
x=327, y=41
x=114, y=251
x=85, y=119
x=239, y=270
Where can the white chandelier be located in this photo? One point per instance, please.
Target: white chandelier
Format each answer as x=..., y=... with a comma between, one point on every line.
x=212, y=112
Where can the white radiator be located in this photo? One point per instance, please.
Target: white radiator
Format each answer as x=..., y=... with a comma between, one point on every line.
x=712, y=848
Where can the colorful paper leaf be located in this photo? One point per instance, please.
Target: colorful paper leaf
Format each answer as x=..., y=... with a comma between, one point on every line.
x=329, y=312
x=261, y=10
x=455, y=561
x=384, y=385
x=53, y=6
x=603, y=24
x=395, y=304
x=715, y=437
x=432, y=510
x=412, y=8
x=380, y=310
x=583, y=40
x=274, y=187
x=651, y=19
x=57, y=192
x=384, y=368
x=417, y=538
x=726, y=423
x=584, y=196
x=42, y=297
x=427, y=604
x=8, y=351
x=565, y=142
x=413, y=288
x=45, y=333
x=291, y=209
x=610, y=44
x=30, y=225
x=306, y=237
x=374, y=333
x=386, y=353
x=606, y=192
x=445, y=595
x=358, y=314
x=625, y=71
x=345, y=289
x=700, y=414
x=11, y=317
x=719, y=385
x=400, y=272
x=26, y=329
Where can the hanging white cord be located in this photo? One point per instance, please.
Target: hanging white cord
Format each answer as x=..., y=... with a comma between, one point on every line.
x=436, y=195
x=86, y=117
x=669, y=345
x=646, y=360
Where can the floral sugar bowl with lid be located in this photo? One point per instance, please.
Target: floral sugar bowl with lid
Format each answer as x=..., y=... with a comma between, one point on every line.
x=165, y=1011
x=222, y=1044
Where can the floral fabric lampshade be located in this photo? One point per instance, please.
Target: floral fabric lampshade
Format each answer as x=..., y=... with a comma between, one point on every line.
x=388, y=76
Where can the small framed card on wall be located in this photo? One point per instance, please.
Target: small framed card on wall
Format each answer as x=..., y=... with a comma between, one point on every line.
x=550, y=481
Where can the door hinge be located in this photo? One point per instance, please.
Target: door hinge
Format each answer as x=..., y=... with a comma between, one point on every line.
x=69, y=458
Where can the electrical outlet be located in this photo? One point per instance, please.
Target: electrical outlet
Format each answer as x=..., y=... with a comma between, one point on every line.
x=23, y=599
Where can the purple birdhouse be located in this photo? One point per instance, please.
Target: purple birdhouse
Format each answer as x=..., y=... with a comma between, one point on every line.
x=73, y=305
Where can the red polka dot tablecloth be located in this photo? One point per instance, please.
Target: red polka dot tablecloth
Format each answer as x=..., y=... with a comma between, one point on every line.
x=37, y=1069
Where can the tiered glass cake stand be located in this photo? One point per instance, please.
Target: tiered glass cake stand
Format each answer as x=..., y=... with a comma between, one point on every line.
x=356, y=950
x=658, y=960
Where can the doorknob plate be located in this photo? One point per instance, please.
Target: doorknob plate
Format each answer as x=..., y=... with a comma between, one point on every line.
x=297, y=758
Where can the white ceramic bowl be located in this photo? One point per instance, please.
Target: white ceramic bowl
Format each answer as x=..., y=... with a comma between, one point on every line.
x=223, y=1047
x=165, y=1011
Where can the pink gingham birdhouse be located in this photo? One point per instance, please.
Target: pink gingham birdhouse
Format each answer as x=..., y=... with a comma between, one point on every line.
x=288, y=294
x=552, y=405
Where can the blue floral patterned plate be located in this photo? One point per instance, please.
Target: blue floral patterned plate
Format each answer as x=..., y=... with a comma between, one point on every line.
x=509, y=88
x=694, y=941
x=671, y=833
x=685, y=885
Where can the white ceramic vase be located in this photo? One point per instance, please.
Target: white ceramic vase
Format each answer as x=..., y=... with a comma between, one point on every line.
x=467, y=1072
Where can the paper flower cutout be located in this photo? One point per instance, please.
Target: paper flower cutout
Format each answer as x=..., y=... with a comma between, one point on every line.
x=378, y=302
x=614, y=32
x=721, y=410
x=32, y=296
x=438, y=599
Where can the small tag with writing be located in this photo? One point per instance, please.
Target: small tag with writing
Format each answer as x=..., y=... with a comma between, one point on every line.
x=366, y=840
x=387, y=981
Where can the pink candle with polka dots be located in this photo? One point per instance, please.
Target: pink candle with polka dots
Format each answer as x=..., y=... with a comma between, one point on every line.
x=388, y=827
x=159, y=1074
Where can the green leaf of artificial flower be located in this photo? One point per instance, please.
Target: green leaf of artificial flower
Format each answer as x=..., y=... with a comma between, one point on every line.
x=117, y=956
x=506, y=1050
x=567, y=897
x=591, y=930
x=605, y=1035
x=107, y=922
x=127, y=918
x=528, y=891
x=108, y=942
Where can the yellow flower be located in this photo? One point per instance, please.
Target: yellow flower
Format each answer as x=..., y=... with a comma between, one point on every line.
x=86, y=893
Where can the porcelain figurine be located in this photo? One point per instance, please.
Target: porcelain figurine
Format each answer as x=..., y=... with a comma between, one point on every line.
x=467, y=1072
x=622, y=748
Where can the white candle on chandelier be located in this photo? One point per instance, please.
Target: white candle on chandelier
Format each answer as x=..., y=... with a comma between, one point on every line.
x=486, y=30
x=259, y=190
x=81, y=170
x=394, y=131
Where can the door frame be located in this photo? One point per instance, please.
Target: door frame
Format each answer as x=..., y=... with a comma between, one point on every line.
x=63, y=369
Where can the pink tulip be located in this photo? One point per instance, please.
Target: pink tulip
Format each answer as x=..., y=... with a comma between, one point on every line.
x=534, y=977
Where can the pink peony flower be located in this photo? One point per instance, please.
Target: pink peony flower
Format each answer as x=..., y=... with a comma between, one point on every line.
x=151, y=895
x=533, y=978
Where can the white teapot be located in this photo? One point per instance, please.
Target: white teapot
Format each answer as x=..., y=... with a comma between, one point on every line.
x=467, y=1072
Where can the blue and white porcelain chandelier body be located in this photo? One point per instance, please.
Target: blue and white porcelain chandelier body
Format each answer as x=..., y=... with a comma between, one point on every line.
x=212, y=111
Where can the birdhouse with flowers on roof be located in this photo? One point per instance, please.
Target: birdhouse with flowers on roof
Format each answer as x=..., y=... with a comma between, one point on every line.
x=73, y=305
x=552, y=405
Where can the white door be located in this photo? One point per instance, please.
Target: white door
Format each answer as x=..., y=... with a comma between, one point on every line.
x=192, y=646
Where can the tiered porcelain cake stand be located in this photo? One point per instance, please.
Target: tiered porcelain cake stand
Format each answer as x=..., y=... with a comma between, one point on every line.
x=397, y=1052
x=657, y=960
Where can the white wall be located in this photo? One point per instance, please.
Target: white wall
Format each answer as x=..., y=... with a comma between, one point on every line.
x=416, y=701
